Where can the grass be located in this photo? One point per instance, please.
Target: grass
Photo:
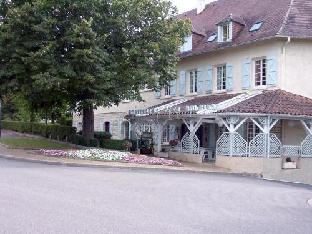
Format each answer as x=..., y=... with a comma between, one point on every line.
x=33, y=143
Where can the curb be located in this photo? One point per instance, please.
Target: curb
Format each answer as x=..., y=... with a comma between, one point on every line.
x=128, y=167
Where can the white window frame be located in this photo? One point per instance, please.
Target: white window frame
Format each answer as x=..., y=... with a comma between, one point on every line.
x=263, y=76
x=188, y=44
x=229, y=32
x=166, y=135
x=168, y=91
x=193, y=79
x=221, y=80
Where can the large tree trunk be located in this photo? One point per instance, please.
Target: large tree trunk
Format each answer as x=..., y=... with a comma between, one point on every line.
x=88, y=123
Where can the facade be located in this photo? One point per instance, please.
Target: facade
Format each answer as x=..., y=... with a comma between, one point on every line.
x=243, y=87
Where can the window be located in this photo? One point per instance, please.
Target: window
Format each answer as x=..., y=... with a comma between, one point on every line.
x=188, y=44
x=193, y=81
x=225, y=32
x=167, y=90
x=212, y=37
x=221, y=77
x=260, y=72
x=252, y=131
x=126, y=130
x=107, y=127
x=256, y=26
x=166, y=134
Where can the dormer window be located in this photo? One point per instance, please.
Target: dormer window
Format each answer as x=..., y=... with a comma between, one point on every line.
x=188, y=44
x=225, y=32
x=256, y=26
x=212, y=37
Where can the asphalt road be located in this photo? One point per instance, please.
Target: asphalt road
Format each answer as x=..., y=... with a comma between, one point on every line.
x=37, y=198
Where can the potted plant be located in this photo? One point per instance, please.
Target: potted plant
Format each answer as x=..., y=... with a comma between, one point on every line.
x=173, y=143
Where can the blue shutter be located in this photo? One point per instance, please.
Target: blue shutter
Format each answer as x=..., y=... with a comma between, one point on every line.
x=182, y=83
x=209, y=79
x=200, y=82
x=246, y=74
x=173, y=88
x=272, y=71
x=229, y=77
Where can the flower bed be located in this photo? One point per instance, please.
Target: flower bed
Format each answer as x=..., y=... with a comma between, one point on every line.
x=108, y=155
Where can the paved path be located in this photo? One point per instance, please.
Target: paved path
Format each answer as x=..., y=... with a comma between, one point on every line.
x=38, y=198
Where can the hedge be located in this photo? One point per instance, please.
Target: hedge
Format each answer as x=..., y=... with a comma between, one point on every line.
x=80, y=140
x=102, y=135
x=54, y=131
x=23, y=127
x=113, y=144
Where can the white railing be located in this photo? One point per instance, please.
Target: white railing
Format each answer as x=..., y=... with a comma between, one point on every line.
x=190, y=144
x=260, y=146
x=306, y=147
x=231, y=144
x=257, y=147
x=291, y=150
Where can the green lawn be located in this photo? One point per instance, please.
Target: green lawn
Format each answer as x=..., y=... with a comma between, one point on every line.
x=33, y=143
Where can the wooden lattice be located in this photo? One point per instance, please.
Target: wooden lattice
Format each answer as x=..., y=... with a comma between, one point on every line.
x=306, y=147
x=238, y=143
x=258, y=147
x=190, y=144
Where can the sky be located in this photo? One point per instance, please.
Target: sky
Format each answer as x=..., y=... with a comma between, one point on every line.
x=185, y=5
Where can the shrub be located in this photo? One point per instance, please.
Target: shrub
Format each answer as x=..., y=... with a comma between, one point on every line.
x=53, y=131
x=102, y=135
x=39, y=129
x=23, y=127
x=113, y=144
x=94, y=142
x=79, y=140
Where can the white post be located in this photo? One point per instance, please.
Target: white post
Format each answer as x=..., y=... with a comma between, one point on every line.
x=230, y=125
x=160, y=132
x=267, y=136
x=192, y=133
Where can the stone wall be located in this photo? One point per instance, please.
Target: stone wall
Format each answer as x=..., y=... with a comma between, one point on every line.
x=184, y=157
x=269, y=168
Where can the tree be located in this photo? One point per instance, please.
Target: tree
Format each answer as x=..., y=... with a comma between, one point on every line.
x=91, y=53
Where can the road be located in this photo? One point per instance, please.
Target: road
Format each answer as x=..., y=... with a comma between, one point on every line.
x=38, y=198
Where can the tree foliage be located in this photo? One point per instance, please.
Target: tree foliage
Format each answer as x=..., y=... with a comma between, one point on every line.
x=88, y=53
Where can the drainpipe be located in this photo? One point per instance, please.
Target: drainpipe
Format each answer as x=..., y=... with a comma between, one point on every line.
x=284, y=53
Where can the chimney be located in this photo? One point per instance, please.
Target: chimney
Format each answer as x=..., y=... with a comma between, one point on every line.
x=201, y=4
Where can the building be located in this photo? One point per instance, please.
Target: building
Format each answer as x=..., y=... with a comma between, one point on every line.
x=243, y=86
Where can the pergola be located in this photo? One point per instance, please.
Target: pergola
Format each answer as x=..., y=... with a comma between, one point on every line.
x=263, y=108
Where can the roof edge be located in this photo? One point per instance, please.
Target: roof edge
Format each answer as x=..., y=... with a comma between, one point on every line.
x=286, y=18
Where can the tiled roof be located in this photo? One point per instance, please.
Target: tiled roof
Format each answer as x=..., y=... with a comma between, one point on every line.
x=207, y=100
x=274, y=102
x=280, y=18
x=298, y=22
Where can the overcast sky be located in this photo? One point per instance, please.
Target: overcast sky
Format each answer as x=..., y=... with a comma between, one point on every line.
x=185, y=5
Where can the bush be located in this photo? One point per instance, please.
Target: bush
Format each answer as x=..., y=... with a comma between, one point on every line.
x=134, y=145
x=54, y=131
x=23, y=127
x=113, y=144
x=102, y=135
x=79, y=140
x=94, y=142
x=39, y=129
